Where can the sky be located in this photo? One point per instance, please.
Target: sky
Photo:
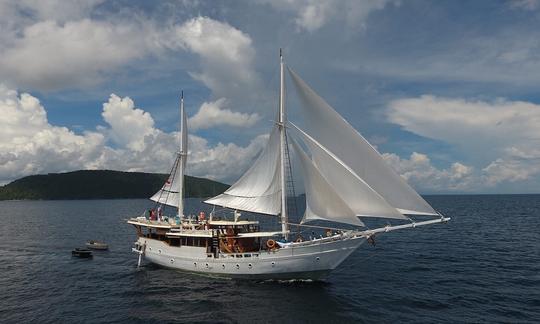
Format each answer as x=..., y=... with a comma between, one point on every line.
x=447, y=91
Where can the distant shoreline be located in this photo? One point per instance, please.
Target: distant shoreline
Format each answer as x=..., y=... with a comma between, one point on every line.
x=101, y=184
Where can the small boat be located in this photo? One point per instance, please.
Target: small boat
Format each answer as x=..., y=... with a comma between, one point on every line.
x=81, y=253
x=96, y=245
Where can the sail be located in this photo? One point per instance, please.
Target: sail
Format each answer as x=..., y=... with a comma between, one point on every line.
x=354, y=191
x=328, y=128
x=169, y=194
x=258, y=190
x=322, y=201
x=172, y=192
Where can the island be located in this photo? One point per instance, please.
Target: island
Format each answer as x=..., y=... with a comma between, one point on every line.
x=101, y=184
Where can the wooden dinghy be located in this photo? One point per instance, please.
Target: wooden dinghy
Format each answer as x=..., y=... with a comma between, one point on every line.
x=96, y=245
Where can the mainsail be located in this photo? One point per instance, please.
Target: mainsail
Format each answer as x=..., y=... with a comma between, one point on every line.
x=258, y=190
x=329, y=129
x=172, y=192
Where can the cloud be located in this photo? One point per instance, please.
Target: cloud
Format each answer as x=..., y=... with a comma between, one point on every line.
x=73, y=54
x=223, y=161
x=128, y=125
x=525, y=4
x=502, y=134
x=29, y=144
x=312, y=15
x=226, y=55
x=213, y=114
x=78, y=51
x=421, y=174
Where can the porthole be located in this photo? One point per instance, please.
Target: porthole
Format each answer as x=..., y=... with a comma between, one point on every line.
x=150, y=248
x=159, y=251
x=273, y=264
x=250, y=266
x=237, y=266
x=223, y=266
x=206, y=266
x=318, y=258
x=172, y=261
x=195, y=264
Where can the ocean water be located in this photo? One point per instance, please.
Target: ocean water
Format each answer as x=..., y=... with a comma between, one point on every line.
x=481, y=267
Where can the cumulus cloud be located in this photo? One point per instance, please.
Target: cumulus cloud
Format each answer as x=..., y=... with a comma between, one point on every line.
x=213, y=114
x=29, y=144
x=128, y=125
x=505, y=132
x=421, y=174
x=223, y=161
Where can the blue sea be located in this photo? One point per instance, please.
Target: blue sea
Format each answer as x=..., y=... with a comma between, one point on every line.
x=481, y=267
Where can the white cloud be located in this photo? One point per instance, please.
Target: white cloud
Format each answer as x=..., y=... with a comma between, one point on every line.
x=29, y=144
x=505, y=132
x=129, y=125
x=421, y=174
x=74, y=54
x=223, y=161
x=312, y=15
x=77, y=51
x=226, y=55
x=213, y=114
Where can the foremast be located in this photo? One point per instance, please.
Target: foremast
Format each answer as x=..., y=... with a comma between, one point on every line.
x=283, y=147
x=182, y=155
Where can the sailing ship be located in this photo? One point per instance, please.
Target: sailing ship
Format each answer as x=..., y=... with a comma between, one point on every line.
x=345, y=180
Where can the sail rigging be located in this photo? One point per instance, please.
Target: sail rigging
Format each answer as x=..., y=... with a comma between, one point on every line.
x=172, y=192
x=344, y=176
x=329, y=128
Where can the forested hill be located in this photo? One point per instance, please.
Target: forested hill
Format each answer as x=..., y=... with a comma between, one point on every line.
x=101, y=184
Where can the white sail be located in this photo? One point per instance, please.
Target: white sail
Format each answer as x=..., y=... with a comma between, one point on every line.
x=328, y=128
x=258, y=190
x=354, y=191
x=172, y=192
x=322, y=200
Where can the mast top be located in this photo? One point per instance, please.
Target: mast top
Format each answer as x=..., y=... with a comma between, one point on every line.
x=182, y=94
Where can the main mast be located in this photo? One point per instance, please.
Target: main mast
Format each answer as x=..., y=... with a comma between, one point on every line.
x=283, y=142
x=182, y=156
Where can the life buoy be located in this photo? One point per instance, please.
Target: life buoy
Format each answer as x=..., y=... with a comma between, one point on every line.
x=299, y=239
x=271, y=244
x=202, y=216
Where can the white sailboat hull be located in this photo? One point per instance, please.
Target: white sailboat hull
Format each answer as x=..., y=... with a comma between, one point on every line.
x=308, y=260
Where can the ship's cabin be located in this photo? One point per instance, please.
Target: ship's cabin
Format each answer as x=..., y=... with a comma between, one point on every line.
x=217, y=236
